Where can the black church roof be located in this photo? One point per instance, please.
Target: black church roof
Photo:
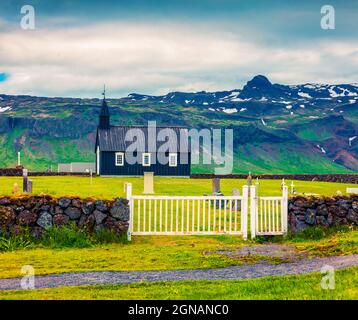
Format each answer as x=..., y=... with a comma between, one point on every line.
x=113, y=139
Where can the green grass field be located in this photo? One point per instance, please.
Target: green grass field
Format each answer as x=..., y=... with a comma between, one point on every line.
x=176, y=252
x=163, y=253
x=109, y=188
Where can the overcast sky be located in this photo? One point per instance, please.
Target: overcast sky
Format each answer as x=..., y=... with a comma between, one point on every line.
x=154, y=47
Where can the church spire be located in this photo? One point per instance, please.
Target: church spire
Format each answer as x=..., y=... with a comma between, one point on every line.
x=104, y=116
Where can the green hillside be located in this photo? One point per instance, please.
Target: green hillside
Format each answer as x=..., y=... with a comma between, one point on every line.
x=49, y=131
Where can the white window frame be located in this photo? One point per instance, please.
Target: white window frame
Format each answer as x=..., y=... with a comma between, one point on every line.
x=149, y=159
x=119, y=164
x=175, y=155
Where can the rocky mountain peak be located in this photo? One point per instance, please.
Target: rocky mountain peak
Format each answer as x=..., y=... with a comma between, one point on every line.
x=259, y=81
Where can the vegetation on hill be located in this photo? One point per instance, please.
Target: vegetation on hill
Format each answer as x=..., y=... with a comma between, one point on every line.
x=277, y=128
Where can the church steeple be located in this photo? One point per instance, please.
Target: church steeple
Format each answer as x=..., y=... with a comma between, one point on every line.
x=104, y=116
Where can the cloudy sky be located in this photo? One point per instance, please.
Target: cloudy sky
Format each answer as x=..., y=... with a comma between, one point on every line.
x=156, y=46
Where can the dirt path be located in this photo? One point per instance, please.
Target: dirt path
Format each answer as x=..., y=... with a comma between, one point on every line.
x=247, y=271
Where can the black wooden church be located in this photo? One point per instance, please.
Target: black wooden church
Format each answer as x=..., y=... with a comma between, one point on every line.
x=112, y=155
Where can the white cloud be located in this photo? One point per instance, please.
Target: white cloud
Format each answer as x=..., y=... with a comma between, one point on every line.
x=156, y=59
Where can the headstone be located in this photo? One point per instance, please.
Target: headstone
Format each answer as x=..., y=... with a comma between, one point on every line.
x=24, y=180
x=148, y=182
x=215, y=185
x=15, y=188
x=352, y=190
x=236, y=204
x=257, y=183
x=249, y=179
x=293, y=190
x=29, y=186
x=217, y=202
x=235, y=192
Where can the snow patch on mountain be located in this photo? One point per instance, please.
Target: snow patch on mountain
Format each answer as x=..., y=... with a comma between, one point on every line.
x=5, y=109
x=304, y=95
x=351, y=139
x=230, y=110
x=321, y=148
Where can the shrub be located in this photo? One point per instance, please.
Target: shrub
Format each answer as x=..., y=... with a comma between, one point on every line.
x=310, y=233
x=13, y=242
x=317, y=233
x=108, y=236
x=57, y=237
x=66, y=236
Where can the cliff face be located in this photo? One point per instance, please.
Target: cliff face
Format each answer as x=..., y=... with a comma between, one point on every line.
x=45, y=142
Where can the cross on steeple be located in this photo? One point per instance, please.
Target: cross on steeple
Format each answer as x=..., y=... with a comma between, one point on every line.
x=104, y=92
x=104, y=117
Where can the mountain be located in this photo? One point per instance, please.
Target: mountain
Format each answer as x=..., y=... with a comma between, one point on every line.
x=308, y=128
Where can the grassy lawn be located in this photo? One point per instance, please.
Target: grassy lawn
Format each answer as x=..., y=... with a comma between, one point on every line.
x=176, y=252
x=163, y=252
x=144, y=253
x=109, y=188
x=285, y=287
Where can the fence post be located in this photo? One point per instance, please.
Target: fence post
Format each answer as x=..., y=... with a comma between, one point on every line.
x=253, y=205
x=128, y=187
x=244, y=211
x=284, y=208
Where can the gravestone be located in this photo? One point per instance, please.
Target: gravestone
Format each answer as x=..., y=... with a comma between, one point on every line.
x=236, y=192
x=148, y=182
x=249, y=182
x=293, y=189
x=26, y=184
x=352, y=190
x=15, y=188
x=216, y=203
x=25, y=180
x=29, y=186
x=249, y=179
x=215, y=185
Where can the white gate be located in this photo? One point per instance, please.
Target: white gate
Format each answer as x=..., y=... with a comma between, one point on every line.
x=208, y=215
x=268, y=215
x=188, y=215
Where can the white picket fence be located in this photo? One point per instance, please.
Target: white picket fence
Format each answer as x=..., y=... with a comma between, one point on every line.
x=207, y=215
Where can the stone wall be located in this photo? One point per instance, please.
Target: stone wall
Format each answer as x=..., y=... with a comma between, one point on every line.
x=344, y=178
x=10, y=172
x=39, y=213
x=15, y=172
x=329, y=211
